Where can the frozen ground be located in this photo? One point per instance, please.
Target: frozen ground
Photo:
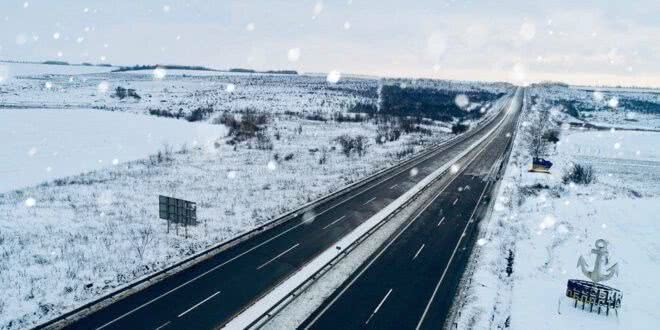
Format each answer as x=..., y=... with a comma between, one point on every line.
x=55, y=236
x=45, y=144
x=546, y=229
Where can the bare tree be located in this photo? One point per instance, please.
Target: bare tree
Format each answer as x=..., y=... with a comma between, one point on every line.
x=142, y=238
x=538, y=146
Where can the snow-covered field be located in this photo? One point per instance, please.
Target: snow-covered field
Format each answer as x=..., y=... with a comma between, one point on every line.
x=546, y=225
x=108, y=163
x=45, y=144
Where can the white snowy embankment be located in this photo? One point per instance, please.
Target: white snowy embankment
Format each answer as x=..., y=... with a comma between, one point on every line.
x=45, y=144
x=546, y=229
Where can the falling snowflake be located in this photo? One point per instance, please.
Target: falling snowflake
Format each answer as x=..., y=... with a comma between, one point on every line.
x=230, y=88
x=613, y=102
x=80, y=39
x=318, y=8
x=32, y=151
x=454, y=169
x=347, y=25
x=60, y=54
x=250, y=27
x=617, y=145
x=482, y=241
x=598, y=96
x=527, y=31
x=547, y=222
x=26, y=4
x=333, y=77
x=294, y=54
x=30, y=202
x=231, y=175
x=462, y=101
x=414, y=171
x=159, y=73
x=48, y=85
x=56, y=35
x=115, y=161
x=103, y=87
x=308, y=216
x=272, y=165
x=166, y=8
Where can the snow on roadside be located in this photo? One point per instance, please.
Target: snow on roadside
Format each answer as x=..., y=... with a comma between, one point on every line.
x=51, y=143
x=546, y=225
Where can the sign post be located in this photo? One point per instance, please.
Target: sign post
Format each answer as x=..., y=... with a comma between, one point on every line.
x=178, y=211
x=592, y=292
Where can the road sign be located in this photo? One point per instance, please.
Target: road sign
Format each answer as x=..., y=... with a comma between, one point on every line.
x=594, y=294
x=177, y=210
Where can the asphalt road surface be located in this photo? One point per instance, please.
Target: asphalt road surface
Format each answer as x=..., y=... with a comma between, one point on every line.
x=411, y=281
x=210, y=293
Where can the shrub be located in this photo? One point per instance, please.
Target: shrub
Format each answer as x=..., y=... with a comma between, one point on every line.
x=551, y=135
x=579, y=174
x=245, y=128
x=459, y=128
x=353, y=144
x=200, y=113
x=263, y=141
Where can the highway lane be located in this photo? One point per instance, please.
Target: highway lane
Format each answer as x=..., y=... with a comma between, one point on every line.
x=411, y=281
x=209, y=293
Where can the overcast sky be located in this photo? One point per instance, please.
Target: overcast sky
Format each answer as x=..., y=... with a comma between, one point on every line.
x=588, y=42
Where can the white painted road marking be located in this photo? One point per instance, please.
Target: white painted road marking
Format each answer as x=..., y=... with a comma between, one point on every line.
x=418, y=251
x=456, y=201
x=394, y=186
x=378, y=307
x=277, y=256
x=332, y=223
x=164, y=325
x=369, y=201
x=441, y=220
x=198, y=304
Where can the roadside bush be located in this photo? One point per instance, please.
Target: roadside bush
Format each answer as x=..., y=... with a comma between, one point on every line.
x=263, y=141
x=245, y=128
x=200, y=113
x=579, y=174
x=551, y=135
x=353, y=144
x=386, y=133
x=459, y=128
x=123, y=93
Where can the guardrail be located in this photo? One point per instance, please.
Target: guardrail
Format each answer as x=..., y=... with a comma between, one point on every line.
x=302, y=287
x=146, y=281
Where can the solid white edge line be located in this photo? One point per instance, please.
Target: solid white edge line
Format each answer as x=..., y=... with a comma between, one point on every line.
x=455, y=201
x=394, y=186
x=277, y=256
x=378, y=307
x=441, y=220
x=198, y=304
x=369, y=201
x=418, y=251
x=163, y=325
x=332, y=223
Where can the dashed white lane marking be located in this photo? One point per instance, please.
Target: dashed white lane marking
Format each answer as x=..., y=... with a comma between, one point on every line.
x=164, y=325
x=198, y=304
x=418, y=251
x=456, y=201
x=369, y=201
x=332, y=223
x=378, y=307
x=277, y=256
x=394, y=186
x=441, y=220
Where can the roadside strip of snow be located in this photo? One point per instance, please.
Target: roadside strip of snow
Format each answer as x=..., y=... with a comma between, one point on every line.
x=259, y=312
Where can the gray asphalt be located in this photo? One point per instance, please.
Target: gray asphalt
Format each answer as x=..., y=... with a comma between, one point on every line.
x=210, y=293
x=412, y=279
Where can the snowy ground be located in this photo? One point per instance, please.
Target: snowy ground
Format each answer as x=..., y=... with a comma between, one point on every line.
x=54, y=236
x=546, y=229
x=46, y=143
